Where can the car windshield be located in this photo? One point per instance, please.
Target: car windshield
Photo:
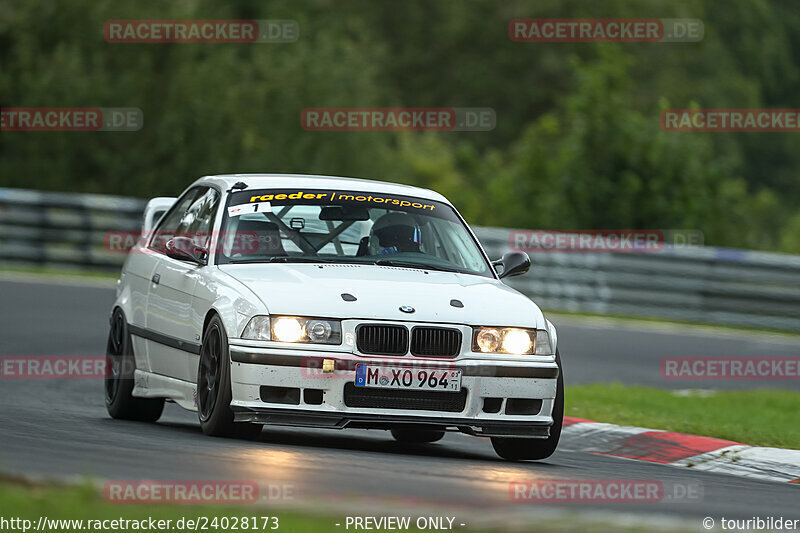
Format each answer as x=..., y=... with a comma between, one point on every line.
x=292, y=225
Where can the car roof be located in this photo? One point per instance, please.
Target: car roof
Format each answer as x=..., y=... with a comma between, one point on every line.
x=266, y=181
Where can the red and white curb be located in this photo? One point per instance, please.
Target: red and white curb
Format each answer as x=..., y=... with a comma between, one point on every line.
x=679, y=449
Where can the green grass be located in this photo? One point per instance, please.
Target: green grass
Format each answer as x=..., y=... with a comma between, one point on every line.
x=760, y=417
x=24, y=500
x=20, y=499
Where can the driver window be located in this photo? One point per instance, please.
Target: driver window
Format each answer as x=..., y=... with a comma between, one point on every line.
x=199, y=218
x=192, y=217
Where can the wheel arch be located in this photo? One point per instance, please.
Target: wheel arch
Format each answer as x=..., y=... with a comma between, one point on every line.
x=125, y=301
x=233, y=322
x=210, y=314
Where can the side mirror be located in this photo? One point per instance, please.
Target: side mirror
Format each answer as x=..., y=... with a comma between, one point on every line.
x=512, y=264
x=184, y=249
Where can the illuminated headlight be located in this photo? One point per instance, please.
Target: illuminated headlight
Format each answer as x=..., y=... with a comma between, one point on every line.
x=516, y=341
x=310, y=330
x=287, y=329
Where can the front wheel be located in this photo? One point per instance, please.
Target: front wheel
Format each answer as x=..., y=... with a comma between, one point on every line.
x=120, y=368
x=516, y=449
x=214, y=388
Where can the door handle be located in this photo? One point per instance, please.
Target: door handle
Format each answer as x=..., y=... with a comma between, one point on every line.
x=156, y=278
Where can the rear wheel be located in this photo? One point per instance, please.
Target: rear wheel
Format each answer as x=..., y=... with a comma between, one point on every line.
x=516, y=449
x=417, y=436
x=120, y=368
x=214, y=388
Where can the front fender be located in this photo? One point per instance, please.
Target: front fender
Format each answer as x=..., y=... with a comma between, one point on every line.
x=233, y=301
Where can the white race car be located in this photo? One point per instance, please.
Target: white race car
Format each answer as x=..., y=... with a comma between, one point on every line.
x=330, y=303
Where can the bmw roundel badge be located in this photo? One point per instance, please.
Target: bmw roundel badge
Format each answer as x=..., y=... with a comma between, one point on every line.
x=406, y=309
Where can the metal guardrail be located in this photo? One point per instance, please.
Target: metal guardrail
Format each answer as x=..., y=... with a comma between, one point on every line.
x=63, y=229
x=699, y=284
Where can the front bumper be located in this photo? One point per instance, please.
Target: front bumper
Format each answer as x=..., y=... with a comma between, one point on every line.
x=317, y=399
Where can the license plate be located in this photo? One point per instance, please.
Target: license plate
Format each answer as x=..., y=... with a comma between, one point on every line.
x=408, y=378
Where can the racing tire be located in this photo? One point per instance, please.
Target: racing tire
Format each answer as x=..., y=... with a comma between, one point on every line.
x=417, y=436
x=214, y=388
x=119, y=379
x=519, y=449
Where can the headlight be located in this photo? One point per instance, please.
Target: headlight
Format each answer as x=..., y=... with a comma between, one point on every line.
x=293, y=329
x=257, y=329
x=516, y=341
x=287, y=329
x=488, y=340
x=311, y=330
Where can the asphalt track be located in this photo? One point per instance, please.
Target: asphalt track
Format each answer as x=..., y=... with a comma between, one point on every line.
x=59, y=428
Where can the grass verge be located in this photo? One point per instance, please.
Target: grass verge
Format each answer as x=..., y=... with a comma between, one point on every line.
x=23, y=500
x=759, y=418
x=30, y=501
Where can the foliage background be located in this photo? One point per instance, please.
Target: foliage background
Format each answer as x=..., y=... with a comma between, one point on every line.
x=577, y=144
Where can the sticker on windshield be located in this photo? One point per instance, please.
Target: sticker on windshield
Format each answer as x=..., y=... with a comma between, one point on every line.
x=337, y=197
x=352, y=201
x=260, y=207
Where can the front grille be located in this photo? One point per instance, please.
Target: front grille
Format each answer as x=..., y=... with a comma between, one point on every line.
x=435, y=342
x=450, y=402
x=380, y=339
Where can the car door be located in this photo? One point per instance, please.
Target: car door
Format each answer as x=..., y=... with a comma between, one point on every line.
x=140, y=265
x=137, y=273
x=174, y=336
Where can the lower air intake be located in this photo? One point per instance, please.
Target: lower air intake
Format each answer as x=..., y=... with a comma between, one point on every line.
x=448, y=402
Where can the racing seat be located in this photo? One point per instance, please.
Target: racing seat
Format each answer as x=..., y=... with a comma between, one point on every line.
x=258, y=237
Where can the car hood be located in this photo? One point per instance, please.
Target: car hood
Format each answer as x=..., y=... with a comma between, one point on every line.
x=380, y=291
